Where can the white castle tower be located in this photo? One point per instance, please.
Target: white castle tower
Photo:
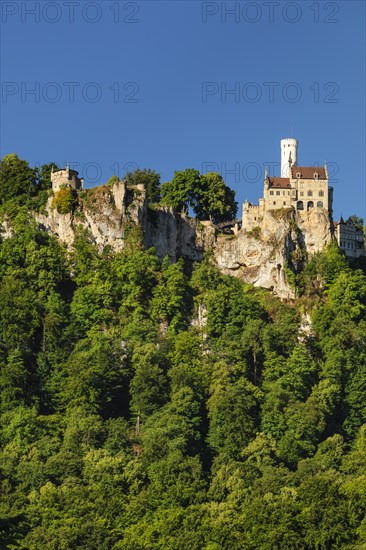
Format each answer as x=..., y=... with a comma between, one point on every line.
x=288, y=156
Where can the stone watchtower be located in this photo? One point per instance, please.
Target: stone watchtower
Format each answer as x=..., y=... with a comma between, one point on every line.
x=66, y=178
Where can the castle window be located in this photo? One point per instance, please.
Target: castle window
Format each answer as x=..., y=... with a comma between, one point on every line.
x=310, y=193
x=319, y=204
x=316, y=175
x=284, y=202
x=321, y=193
x=300, y=205
x=301, y=193
x=298, y=175
x=288, y=192
x=278, y=192
x=274, y=202
x=271, y=192
x=310, y=205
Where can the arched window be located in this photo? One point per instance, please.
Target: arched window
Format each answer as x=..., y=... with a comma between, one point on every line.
x=321, y=193
x=319, y=204
x=310, y=193
x=300, y=205
x=316, y=175
x=310, y=205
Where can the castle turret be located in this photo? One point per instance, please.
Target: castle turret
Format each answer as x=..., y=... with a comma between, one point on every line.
x=66, y=178
x=288, y=156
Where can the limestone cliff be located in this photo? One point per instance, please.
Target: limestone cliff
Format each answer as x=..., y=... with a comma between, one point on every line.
x=106, y=211
x=263, y=256
x=100, y=210
x=282, y=242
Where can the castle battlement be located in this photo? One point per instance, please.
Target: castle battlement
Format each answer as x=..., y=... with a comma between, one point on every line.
x=66, y=178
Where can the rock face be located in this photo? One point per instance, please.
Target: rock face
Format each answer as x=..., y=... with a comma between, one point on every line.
x=263, y=256
x=106, y=211
x=101, y=211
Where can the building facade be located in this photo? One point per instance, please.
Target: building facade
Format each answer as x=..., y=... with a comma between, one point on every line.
x=350, y=238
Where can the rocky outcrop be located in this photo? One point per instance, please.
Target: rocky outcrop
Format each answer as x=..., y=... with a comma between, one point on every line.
x=101, y=211
x=178, y=236
x=265, y=256
x=259, y=256
x=106, y=212
x=315, y=228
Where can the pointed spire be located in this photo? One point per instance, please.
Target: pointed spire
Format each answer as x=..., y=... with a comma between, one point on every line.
x=266, y=173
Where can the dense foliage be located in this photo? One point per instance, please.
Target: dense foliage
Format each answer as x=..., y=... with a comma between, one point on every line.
x=206, y=194
x=65, y=200
x=21, y=185
x=126, y=423
x=167, y=406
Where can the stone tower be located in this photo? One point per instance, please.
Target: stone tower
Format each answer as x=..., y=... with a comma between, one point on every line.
x=66, y=178
x=288, y=156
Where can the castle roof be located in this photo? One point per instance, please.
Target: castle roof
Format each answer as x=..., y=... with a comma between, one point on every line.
x=280, y=183
x=307, y=172
x=66, y=170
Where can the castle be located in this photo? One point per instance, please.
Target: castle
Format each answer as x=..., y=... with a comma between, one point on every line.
x=66, y=178
x=302, y=189
x=299, y=187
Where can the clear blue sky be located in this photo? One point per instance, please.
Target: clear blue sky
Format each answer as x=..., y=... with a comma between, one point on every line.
x=140, y=93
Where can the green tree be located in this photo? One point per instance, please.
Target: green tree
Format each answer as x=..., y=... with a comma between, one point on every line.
x=180, y=192
x=214, y=200
x=16, y=178
x=356, y=221
x=149, y=179
x=232, y=411
x=65, y=200
x=171, y=299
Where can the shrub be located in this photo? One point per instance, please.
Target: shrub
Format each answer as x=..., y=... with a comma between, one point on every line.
x=65, y=200
x=255, y=232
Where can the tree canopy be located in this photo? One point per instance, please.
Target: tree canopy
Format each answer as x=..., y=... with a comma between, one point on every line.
x=207, y=195
x=146, y=404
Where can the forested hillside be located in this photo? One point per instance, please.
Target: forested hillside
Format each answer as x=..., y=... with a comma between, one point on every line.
x=169, y=407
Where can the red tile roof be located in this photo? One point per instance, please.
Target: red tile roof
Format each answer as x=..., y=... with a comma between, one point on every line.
x=307, y=172
x=280, y=183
